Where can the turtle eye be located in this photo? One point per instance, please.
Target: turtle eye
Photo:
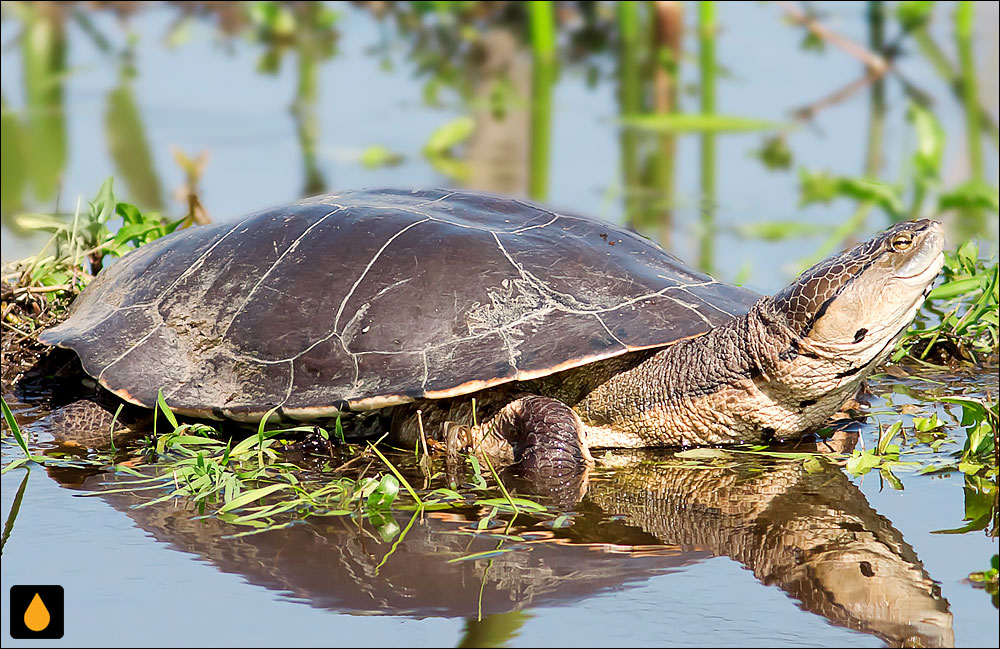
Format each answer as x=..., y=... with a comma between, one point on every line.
x=901, y=242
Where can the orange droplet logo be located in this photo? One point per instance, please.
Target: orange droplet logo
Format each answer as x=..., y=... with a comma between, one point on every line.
x=36, y=617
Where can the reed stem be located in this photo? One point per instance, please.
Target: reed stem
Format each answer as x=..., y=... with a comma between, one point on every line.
x=541, y=20
x=630, y=103
x=707, y=68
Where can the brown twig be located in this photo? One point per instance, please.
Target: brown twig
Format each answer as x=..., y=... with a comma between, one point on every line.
x=15, y=329
x=21, y=290
x=420, y=426
x=343, y=467
x=807, y=112
x=877, y=66
x=874, y=62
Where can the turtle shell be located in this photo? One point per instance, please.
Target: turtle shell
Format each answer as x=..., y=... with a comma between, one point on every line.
x=371, y=298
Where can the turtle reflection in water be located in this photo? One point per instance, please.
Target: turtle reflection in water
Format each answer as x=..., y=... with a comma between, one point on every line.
x=813, y=535
x=570, y=332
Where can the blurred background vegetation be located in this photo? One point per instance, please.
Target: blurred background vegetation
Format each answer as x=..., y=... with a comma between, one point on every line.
x=749, y=138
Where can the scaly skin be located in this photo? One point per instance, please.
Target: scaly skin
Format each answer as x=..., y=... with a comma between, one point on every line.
x=738, y=383
x=778, y=372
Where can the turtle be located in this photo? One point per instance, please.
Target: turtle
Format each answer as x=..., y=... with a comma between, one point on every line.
x=489, y=323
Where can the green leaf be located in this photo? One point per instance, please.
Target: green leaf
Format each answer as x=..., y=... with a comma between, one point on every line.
x=128, y=144
x=103, y=205
x=861, y=463
x=131, y=233
x=451, y=167
x=968, y=255
x=43, y=222
x=890, y=477
x=15, y=430
x=377, y=156
x=339, y=430
x=504, y=503
x=129, y=213
x=870, y=189
x=913, y=14
x=384, y=492
x=698, y=123
x=252, y=495
x=774, y=153
x=886, y=436
x=399, y=476
x=162, y=404
x=193, y=440
x=930, y=142
x=703, y=454
x=779, y=230
x=927, y=424
x=969, y=468
x=449, y=135
x=822, y=187
x=973, y=194
x=812, y=465
x=956, y=288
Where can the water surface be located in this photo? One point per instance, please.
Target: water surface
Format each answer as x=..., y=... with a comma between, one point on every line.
x=758, y=552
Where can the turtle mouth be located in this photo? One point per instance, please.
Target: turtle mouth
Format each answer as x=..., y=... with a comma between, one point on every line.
x=927, y=262
x=924, y=278
x=927, y=273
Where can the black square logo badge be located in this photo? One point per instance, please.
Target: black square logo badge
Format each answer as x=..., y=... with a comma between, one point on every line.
x=36, y=612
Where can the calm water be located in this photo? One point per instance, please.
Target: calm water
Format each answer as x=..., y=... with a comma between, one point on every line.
x=656, y=554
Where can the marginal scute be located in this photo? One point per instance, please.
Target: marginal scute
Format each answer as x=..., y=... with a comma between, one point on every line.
x=376, y=297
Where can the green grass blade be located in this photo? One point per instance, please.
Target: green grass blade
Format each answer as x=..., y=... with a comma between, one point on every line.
x=8, y=416
x=162, y=404
x=252, y=495
x=399, y=476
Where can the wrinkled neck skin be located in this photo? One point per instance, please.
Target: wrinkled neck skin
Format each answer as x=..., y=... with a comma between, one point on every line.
x=752, y=379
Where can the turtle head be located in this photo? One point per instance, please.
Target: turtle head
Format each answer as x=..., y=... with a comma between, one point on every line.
x=855, y=304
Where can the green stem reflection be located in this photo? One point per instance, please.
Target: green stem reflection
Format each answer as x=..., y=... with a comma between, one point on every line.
x=707, y=66
x=306, y=99
x=971, y=219
x=43, y=48
x=541, y=16
x=630, y=102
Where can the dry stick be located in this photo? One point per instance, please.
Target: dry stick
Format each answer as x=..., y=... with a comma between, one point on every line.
x=42, y=289
x=872, y=61
x=348, y=463
x=423, y=443
x=877, y=66
x=807, y=112
x=420, y=426
x=15, y=330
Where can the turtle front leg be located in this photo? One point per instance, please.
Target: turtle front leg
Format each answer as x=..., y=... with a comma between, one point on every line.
x=543, y=435
x=533, y=433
